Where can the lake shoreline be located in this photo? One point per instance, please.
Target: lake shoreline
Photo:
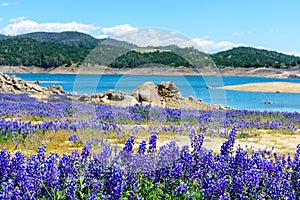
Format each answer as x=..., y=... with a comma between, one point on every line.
x=165, y=71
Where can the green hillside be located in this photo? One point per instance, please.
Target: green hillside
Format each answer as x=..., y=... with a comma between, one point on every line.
x=3, y=37
x=251, y=57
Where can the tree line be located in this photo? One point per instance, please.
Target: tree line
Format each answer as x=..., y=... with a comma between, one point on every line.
x=252, y=57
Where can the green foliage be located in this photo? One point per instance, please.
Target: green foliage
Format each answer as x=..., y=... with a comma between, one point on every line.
x=194, y=57
x=104, y=55
x=251, y=57
x=134, y=59
x=30, y=52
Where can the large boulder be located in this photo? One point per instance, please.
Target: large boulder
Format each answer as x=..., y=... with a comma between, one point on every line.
x=84, y=98
x=146, y=92
x=128, y=101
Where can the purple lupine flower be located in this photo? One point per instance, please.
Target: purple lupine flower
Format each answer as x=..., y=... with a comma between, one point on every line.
x=4, y=164
x=227, y=146
x=42, y=153
x=142, y=147
x=104, y=156
x=129, y=145
x=152, y=142
x=87, y=150
x=181, y=189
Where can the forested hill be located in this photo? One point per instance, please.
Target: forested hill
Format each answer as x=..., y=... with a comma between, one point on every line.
x=30, y=52
x=68, y=37
x=75, y=39
x=252, y=57
x=2, y=37
x=72, y=48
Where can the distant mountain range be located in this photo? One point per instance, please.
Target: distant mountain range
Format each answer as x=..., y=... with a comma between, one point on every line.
x=46, y=50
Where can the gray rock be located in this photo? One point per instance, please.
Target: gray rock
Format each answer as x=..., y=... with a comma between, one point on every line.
x=146, y=92
x=37, y=88
x=56, y=90
x=128, y=101
x=97, y=96
x=84, y=97
x=15, y=79
x=9, y=82
x=191, y=98
x=170, y=94
x=18, y=86
x=117, y=97
x=170, y=86
x=269, y=102
x=294, y=76
x=108, y=94
x=6, y=77
x=105, y=101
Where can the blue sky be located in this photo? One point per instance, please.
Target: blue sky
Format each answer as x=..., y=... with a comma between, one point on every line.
x=215, y=24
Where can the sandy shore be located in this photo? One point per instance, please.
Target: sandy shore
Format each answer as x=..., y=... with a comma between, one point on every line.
x=181, y=71
x=279, y=87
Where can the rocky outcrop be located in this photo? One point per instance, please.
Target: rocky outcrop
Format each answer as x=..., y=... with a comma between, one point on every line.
x=169, y=94
x=13, y=84
x=165, y=94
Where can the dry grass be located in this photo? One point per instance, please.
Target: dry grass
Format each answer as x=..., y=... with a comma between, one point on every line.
x=282, y=142
x=55, y=141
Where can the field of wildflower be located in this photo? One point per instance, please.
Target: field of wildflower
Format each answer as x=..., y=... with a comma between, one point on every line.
x=61, y=149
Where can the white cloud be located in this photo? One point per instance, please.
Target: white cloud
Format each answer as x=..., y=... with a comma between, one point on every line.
x=1, y=19
x=211, y=46
x=292, y=53
x=153, y=37
x=102, y=36
x=27, y=26
x=18, y=19
x=4, y=4
x=22, y=25
x=116, y=30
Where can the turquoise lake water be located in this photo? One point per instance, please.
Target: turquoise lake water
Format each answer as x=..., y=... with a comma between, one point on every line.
x=188, y=85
